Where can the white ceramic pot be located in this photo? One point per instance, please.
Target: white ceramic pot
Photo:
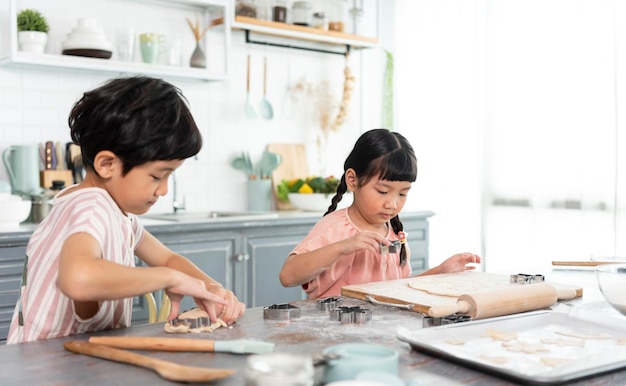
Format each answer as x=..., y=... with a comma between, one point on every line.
x=32, y=41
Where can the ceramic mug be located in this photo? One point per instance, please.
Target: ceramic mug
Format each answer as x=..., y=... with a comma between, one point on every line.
x=22, y=164
x=150, y=44
x=354, y=358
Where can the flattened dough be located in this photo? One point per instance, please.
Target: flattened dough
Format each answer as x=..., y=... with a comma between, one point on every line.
x=193, y=314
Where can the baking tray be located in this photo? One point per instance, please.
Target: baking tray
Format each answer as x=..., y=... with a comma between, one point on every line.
x=472, y=345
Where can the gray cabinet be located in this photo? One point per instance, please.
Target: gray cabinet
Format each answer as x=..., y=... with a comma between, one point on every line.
x=245, y=256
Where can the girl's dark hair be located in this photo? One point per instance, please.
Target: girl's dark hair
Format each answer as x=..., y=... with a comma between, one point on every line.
x=140, y=119
x=384, y=154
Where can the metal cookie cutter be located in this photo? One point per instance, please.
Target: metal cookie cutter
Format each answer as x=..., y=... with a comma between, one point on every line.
x=191, y=323
x=347, y=315
x=450, y=319
x=329, y=304
x=394, y=247
x=283, y=311
x=524, y=278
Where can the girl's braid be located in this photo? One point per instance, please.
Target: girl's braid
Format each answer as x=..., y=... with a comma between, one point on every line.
x=397, y=226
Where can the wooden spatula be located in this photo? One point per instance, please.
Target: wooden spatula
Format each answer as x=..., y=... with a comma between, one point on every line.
x=167, y=370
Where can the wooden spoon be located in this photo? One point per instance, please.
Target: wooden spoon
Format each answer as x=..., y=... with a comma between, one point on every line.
x=167, y=370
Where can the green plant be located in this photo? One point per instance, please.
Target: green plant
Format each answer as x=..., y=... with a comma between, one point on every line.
x=31, y=20
x=308, y=185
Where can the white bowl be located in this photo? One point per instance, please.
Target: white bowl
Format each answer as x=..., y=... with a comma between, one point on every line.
x=14, y=212
x=612, y=282
x=311, y=202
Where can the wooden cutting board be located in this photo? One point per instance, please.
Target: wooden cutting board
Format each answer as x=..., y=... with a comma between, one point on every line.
x=400, y=292
x=293, y=165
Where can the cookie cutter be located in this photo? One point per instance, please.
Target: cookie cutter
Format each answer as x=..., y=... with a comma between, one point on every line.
x=192, y=323
x=429, y=321
x=524, y=278
x=394, y=247
x=283, y=311
x=329, y=304
x=347, y=315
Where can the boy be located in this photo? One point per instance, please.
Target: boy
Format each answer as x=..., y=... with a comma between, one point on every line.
x=80, y=273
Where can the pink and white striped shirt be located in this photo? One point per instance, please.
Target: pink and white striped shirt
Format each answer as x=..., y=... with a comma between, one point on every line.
x=47, y=312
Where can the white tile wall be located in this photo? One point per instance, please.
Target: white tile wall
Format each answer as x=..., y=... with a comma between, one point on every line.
x=34, y=104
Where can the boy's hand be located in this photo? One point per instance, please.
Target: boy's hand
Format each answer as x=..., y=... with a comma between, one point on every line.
x=195, y=288
x=229, y=312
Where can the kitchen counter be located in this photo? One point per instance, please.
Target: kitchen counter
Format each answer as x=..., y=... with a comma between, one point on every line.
x=47, y=362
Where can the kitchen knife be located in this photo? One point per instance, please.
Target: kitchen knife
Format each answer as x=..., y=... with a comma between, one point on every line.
x=58, y=148
x=48, y=155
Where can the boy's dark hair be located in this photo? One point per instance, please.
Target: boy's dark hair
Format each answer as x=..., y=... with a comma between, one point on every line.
x=384, y=154
x=140, y=119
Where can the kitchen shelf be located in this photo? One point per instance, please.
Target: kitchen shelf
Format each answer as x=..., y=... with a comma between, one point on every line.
x=27, y=59
x=210, y=10
x=315, y=35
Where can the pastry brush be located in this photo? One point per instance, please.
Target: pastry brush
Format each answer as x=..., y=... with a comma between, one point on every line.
x=237, y=346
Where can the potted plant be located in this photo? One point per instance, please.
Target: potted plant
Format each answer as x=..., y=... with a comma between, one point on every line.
x=32, y=30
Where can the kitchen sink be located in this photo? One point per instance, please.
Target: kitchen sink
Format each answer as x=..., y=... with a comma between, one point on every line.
x=212, y=215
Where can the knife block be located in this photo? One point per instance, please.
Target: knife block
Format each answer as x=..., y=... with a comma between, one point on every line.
x=47, y=176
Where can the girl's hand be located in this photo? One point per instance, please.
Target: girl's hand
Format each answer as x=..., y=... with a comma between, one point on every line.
x=364, y=240
x=459, y=263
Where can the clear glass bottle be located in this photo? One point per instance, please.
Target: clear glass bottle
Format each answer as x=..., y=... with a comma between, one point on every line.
x=301, y=13
x=320, y=21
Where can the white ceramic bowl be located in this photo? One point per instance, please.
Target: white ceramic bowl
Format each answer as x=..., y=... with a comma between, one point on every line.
x=612, y=282
x=311, y=202
x=14, y=212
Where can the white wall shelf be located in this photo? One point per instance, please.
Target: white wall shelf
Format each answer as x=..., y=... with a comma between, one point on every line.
x=208, y=9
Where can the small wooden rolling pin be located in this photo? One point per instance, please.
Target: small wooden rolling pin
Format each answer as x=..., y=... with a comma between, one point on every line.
x=503, y=301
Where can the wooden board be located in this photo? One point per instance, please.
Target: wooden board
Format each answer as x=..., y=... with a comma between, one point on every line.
x=398, y=292
x=581, y=263
x=293, y=165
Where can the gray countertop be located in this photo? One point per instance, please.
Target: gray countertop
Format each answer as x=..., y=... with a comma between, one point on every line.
x=46, y=362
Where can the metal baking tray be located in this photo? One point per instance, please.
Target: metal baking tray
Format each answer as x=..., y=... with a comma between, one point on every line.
x=472, y=344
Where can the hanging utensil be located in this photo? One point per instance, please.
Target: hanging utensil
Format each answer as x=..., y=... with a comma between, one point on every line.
x=250, y=113
x=265, y=107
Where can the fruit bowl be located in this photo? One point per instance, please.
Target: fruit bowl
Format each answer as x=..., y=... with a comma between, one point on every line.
x=317, y=202
x=612, y=282
x=311, y=202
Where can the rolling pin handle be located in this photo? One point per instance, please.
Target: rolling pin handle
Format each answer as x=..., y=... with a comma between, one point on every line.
x=566, y=293
x=442, y=310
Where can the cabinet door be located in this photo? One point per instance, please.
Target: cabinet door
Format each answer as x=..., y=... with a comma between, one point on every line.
x=417, y=230
x=11, y=266
x=267, y=253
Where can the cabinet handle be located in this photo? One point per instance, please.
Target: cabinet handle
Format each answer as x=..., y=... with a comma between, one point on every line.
x=242, y=257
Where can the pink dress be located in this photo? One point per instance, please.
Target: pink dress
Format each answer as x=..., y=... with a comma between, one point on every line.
x=356, y=268
x=47, y=312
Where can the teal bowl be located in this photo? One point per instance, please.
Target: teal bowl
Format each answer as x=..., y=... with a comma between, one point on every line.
x=354, y=358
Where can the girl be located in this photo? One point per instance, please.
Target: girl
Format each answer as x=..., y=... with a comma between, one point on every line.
x=344, y=247
x=79, y=274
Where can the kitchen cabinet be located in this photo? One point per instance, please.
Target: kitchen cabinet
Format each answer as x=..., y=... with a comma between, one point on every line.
x=244, y=255
x=159, y=15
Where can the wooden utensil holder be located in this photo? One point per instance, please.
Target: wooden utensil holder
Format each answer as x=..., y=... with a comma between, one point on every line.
x=47, y=176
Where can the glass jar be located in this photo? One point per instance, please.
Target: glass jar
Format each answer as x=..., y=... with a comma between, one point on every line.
x=279, y=11
x=245, y=8
x=301, y=13
x=279, y=369
x=320, y=20
x=338, y=15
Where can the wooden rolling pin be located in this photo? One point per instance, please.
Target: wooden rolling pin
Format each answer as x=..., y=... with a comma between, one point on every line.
x=503, y=301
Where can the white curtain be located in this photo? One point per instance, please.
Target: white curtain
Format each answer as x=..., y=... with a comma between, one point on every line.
x=534, y=102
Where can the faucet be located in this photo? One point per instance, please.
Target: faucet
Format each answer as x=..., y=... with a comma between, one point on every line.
x=176, y=204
